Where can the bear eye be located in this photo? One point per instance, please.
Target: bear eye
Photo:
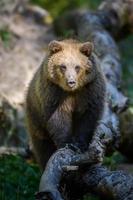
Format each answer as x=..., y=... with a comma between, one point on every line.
x=63, y=68
x=77, y=68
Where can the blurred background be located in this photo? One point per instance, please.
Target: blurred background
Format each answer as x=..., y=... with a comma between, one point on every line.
x=58, y=7
x=26, y=27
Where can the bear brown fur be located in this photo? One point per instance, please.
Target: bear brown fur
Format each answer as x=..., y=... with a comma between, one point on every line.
x=65, y=98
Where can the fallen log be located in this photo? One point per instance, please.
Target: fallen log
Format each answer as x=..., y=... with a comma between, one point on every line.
x=100, y=27
x=109, y=184
x=98, y=179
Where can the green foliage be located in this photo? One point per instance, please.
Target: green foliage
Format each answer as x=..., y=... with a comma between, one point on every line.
x=57, y=7
x=18, y=179
x=113, y=160
x=90, y=197
x=5, y=36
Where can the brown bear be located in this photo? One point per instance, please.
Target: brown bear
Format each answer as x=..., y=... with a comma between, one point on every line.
x=65, y=99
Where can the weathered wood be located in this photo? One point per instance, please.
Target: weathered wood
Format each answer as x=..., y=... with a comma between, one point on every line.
x=116, y=185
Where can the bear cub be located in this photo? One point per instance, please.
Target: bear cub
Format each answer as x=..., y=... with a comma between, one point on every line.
x=65, y=98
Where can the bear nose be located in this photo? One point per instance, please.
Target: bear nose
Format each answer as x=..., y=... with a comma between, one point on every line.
x=71, y=83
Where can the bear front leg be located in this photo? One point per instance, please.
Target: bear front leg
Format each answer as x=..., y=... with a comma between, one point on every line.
x=59, y=127
x=84, y=128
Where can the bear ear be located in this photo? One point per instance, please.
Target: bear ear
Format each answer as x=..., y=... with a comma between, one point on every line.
x=54, y=46
x=86, y=48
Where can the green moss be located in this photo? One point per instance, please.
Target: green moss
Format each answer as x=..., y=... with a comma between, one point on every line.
x=90, y=197
x=5, y=36
x=19, y=180
x=112, y=161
